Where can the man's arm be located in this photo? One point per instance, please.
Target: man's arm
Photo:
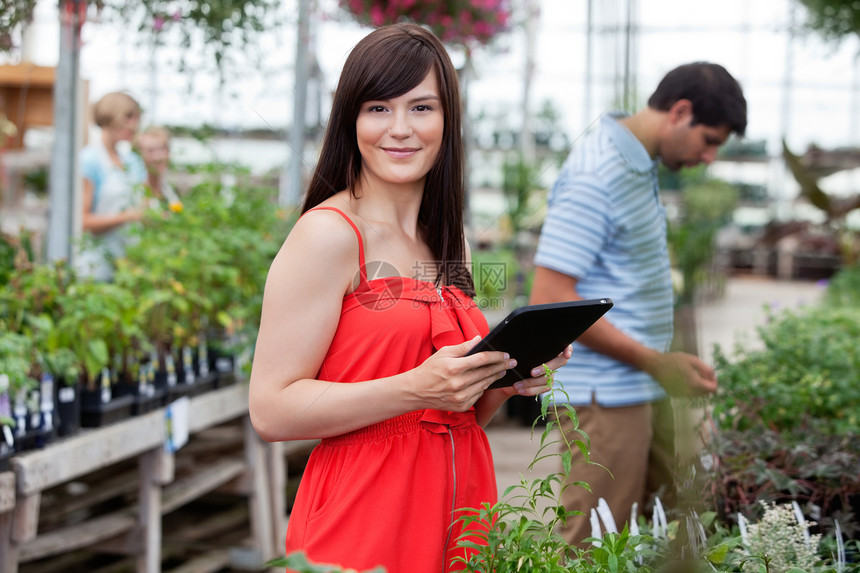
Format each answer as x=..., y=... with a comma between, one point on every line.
x=679, y=373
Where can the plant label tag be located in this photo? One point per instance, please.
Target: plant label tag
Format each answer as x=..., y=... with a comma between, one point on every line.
x=170, y=368
x=187, y=358
x=47, y=392
x=8, y=437
x=176, y=424
x=48, y=419
x=105, y=386
x=66, y=395
x=222, y=364
x=20, y=420
x=203, y=357
x=188, y=364
x=5, y=405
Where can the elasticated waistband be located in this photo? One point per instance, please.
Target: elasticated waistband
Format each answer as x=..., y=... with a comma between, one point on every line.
x=397, y=426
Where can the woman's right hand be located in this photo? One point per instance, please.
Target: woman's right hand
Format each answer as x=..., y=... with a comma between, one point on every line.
x=449, y=380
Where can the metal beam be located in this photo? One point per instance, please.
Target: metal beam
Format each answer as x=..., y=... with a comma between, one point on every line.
x=64, y=211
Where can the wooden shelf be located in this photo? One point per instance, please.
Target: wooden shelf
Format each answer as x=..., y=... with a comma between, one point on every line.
x=95, y=448
x=256, y=472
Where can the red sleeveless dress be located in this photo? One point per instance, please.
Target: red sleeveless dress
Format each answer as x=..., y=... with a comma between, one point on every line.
x=386, y=495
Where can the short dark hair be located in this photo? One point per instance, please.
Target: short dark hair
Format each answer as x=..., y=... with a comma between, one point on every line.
x=716, y=96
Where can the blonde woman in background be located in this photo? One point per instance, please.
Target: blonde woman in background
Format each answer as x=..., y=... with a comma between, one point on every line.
x=113, y=178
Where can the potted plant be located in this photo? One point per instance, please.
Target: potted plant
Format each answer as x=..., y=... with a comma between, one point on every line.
x=19, y=423
x=98, y=323
x=28, y=301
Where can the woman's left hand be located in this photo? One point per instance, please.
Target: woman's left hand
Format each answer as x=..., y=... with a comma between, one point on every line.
x=538, y=384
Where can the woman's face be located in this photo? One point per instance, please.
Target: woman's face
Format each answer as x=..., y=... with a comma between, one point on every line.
x=154, y=151
x=125, y=127
x=399, y=139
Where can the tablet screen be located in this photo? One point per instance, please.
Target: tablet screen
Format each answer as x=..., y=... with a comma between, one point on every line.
x=535, y=334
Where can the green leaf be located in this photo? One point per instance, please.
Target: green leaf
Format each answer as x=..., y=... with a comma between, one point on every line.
x=566, y=461
x=717, y=555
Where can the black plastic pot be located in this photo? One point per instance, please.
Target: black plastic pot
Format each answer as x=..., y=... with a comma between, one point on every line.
x=67, y=406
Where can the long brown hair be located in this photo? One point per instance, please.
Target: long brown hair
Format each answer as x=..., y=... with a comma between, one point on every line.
x=386, y=64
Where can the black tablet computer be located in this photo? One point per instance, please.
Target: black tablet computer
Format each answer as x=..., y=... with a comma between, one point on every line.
x=537, y=333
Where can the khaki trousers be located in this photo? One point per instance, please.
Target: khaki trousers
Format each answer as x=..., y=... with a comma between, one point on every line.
x=636, y=444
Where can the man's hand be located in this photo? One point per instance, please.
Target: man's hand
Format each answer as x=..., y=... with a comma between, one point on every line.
x=681, y=374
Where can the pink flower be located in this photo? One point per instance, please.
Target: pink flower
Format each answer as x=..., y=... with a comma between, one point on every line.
x=177, y=16
x=376, y=15
x=461, y=21
x=158, y=23
x=483, y=29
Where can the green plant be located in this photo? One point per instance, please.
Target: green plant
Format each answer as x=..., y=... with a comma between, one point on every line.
x=520, y=178
x=29, y=301
x=99, y=324
x=15, y=352
x=495, y=274
x=844, y=288
x=805, y=377
x=787, y=414
x=835, y=20
x=37, y=180
x=705, y=207
x=15, y=252
x=783, y=543
x=223, y=25
x=13, y=13
x=519, y=533
x=198, y=271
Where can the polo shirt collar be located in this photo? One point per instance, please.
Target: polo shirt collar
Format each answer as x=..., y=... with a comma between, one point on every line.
x=628, y=146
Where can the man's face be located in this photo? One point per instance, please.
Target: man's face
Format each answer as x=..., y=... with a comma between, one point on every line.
x=687, y=145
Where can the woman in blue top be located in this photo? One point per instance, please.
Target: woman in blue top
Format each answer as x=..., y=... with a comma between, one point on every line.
x=113, y=180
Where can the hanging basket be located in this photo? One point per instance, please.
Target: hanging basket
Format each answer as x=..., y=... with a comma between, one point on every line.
x=464, y=22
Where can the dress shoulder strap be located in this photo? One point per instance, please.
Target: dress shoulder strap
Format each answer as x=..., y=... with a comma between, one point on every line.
x=361, y=267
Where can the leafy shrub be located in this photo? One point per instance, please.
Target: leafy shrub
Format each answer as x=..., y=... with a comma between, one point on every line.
x=844, y=288
x=201, y=268
x=705, y=207
x=788, y=417
x=818, y=471
x=807, y=376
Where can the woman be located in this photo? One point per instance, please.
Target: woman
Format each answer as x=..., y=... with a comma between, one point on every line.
x=367, y=317
x=113, y=180
x=153, y=144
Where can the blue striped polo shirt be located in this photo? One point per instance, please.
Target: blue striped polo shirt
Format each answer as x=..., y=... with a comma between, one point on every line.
x=606, y=226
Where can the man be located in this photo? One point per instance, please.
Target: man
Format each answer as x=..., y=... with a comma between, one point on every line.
x=605, y=237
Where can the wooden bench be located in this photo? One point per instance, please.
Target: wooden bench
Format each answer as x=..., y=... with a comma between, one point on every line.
x=136, y=530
